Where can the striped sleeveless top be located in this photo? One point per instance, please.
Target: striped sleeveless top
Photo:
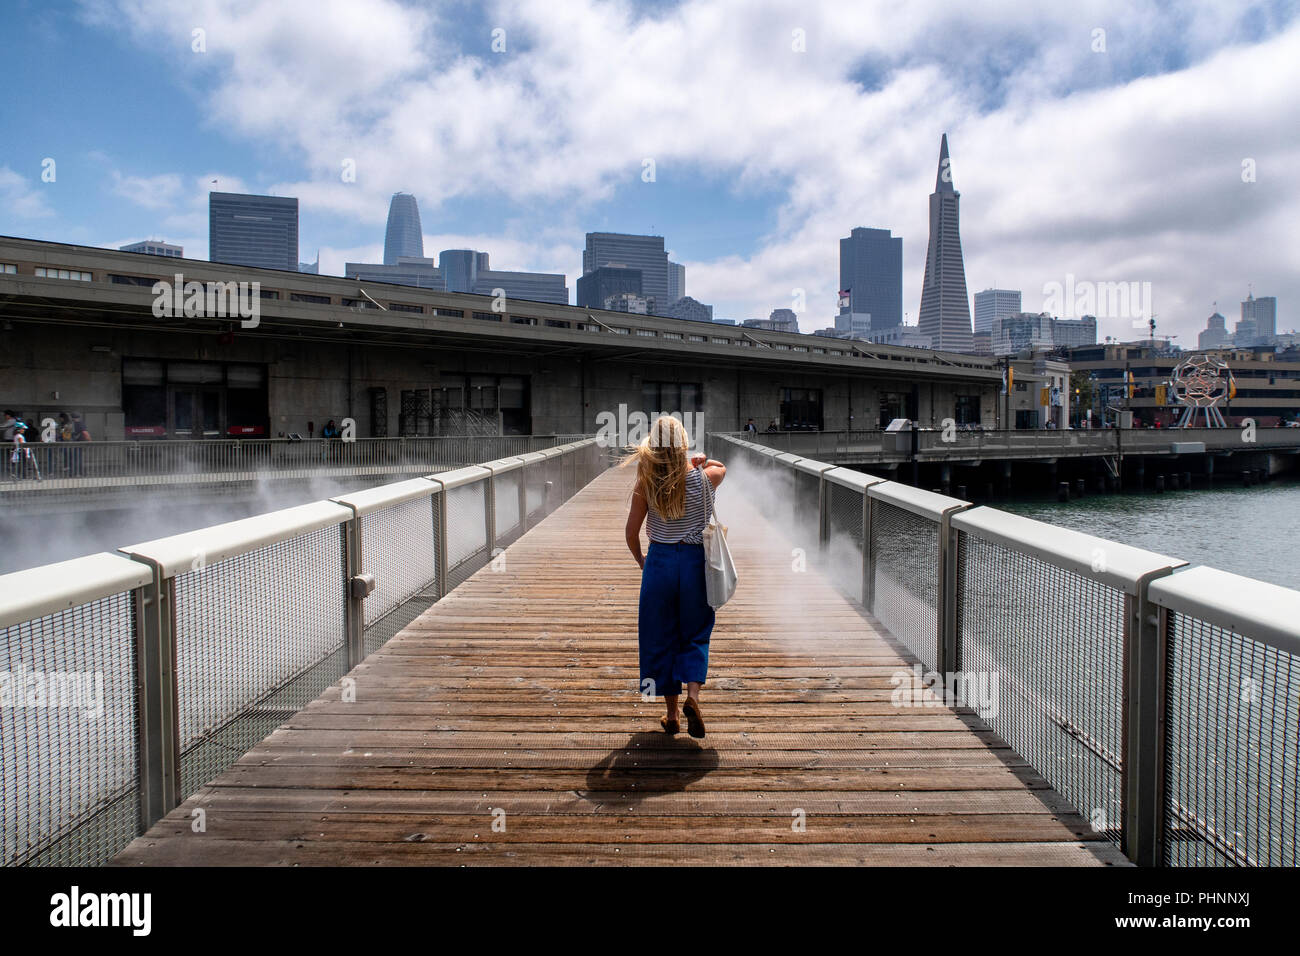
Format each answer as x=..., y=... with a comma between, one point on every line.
x=688, y=528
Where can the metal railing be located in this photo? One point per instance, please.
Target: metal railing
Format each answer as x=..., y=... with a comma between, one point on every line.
x=1163, y=702
x=936, y=444
x=73, y=462
x=133, y=678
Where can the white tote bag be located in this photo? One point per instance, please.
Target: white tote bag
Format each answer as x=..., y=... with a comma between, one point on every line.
x=719, y=571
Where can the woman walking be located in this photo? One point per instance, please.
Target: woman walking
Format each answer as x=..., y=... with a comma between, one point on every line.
x=674, y=496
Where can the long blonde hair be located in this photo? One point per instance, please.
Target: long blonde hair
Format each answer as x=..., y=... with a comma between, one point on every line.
x=662, y=465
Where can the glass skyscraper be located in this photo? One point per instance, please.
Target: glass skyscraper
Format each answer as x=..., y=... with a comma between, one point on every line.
x=404, y=237
x=645, y=253
x=460, y=267
x=606, y=281
x=247, y=230
x=871, y=269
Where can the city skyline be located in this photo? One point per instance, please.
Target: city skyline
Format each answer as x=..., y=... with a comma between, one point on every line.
x=1176, y=105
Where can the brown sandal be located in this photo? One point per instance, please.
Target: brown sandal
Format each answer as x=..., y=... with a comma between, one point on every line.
x=694, y=721
x=670, y=726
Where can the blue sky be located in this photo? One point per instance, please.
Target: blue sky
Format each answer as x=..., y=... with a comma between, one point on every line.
x=775, y=128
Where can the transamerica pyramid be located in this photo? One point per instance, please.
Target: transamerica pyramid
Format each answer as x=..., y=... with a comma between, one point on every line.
x=945, y=310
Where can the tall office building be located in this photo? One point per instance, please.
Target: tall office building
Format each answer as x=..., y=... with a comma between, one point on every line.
x=597, y=286
x=1012, y=334
x=1215, y=334
x=152, y=247
x=404, y=237
x=994, y=304
x=690, y=309
x=1073, y=332
x=784, y=320
x=945, y=307
x=676, y=282
x=464, y=270
x=528, y=286
x=460, y=268
x=1261, y=314
x=246, y=230
x=645, y=253
x=421, y=273
x=871, y=269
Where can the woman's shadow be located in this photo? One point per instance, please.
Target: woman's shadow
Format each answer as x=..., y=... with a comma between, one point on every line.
x=650, y=762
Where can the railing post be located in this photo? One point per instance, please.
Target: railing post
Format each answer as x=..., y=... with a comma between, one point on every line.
x=1144, y=788
x=490, y=512
x=440, y=537
x=158, y=730
x=823, y=514
x=523, y=498
x=868, y=553
x=355, y=624
x=946, y=648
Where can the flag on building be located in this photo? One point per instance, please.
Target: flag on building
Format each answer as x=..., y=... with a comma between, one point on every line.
x=845, y=298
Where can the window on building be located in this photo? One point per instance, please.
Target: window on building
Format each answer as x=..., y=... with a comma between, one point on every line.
x=801, y=408
x=314, y=299
x=893, y=405
x=269, y=294
x=967, y=410
x=648, y=333
x=8, y=269
x=671, y=397
x=379, y=412
x=47, y=273
x=450, y=313
x=522, y=320
x=488, y=316
x=193, y=400
x=696, y=338
x=557, y=324
x=358, y=304
x=132, y=280
x=462, y=403
x=402, y=307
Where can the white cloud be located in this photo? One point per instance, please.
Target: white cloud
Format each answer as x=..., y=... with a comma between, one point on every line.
x=1122, y=165
x=20, y=196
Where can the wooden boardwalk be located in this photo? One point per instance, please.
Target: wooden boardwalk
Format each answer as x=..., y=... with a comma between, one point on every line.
x=504, y=727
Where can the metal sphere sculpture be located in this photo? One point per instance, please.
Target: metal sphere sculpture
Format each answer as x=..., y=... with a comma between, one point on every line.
x=1200, y=384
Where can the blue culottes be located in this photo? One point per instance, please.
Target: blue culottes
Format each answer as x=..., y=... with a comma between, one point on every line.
x=674, y=620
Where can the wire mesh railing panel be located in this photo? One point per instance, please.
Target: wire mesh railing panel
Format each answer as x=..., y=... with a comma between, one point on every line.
x=68, y=713
x=805, y=503
x=1232, y=731
x=570, y=475
x=399, y=548
x=552, y=469
x=844, y=539
x=467, y=543
x=258, y=637
x=535, y=490
x=905, y=581
x=506, y=506
x=1053, y=641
